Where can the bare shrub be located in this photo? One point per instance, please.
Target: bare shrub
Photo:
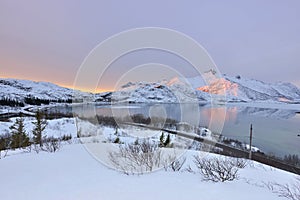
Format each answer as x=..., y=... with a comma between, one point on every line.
x=173, y=163
x=239, y=162
x=269, y=185
x=289, y=191
x=189, y=169
x=51, y=144
x=217, y=169
x=177, y=164
x=36, y=148
x=136, y=158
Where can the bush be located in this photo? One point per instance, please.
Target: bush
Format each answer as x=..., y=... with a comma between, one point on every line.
x=5, y=141
x=117, y=140
x=177, y=164
x=136, y=158
x=66, y=137
x=217, y=169
x=51, y=144
x=140, y=119
x=107, y=121
x=288, y=191
x=173, y=163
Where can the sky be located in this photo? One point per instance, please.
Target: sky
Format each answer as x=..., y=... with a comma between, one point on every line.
x=49, y=40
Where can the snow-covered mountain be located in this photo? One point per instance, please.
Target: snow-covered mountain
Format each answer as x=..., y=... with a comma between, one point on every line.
x=178, y=89
x=18, y=90
x=231, y=89
x=173, y=91
x=239, y=89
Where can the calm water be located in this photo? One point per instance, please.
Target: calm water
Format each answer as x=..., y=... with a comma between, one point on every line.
x=274, y=130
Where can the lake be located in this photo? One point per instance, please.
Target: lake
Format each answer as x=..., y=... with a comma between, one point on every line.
x=275, y=130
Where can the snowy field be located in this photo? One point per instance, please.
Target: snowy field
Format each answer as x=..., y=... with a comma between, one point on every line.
x=73, y=173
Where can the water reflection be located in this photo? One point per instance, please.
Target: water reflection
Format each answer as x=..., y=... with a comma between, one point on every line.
x=275, y=130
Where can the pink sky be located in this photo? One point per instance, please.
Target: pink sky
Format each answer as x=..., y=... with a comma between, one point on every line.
x=48, y=41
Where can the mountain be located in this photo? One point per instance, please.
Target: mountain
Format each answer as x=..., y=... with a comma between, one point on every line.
x=239, y=89
x=20, y=90
x=174, y=91
x=178, y=89
x=195, y=89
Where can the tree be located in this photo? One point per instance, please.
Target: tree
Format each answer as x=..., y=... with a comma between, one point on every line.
x=40, y=125
x=168, y=140
x=4, y=143
x=162, y=140
x=19, y=138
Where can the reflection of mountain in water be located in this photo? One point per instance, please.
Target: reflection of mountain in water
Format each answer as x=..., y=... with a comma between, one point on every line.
x=267, y=112
x=178, y=111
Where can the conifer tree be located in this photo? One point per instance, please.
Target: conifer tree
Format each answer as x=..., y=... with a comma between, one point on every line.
x=168, y=140
x=162, y=140
x=19, y=138
x=40, y=125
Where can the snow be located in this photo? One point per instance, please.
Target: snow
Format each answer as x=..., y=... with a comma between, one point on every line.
x=253, y=90
x=76, y=172
x=55, y=127
x=194, y=89
x=19, y=89
x=72, y=173
x=254, y=149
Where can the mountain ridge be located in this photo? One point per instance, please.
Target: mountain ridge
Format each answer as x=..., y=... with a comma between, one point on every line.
x=178, y=89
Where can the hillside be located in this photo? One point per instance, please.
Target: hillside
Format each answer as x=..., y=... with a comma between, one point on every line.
x=72, y=173
x=19, y=90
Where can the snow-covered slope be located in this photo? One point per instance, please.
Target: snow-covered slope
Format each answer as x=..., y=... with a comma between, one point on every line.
x=234, y=89
x=15, y=89
x=258, y=90
x=178, y=89
x=163, y=92
x=72, y=173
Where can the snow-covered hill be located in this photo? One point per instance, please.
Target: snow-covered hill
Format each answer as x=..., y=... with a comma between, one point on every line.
x=154, y=92
x=15, y=89
x=173, y=91
x=72, y=173
x=178, y=89
x=232, y=89
x=258, y=90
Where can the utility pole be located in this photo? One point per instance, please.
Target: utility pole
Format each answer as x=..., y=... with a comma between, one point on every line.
x=250, y=150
